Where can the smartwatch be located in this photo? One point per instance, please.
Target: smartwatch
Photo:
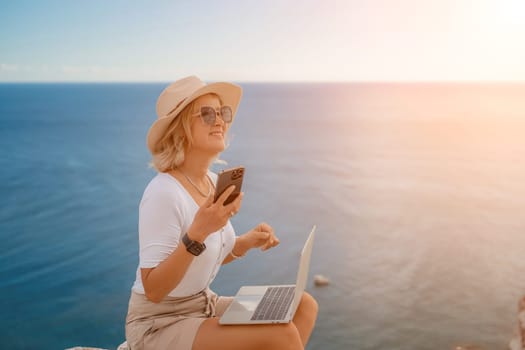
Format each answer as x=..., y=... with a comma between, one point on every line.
x=194, y=247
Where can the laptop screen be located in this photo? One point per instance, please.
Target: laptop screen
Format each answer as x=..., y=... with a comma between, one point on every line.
x=302, y=274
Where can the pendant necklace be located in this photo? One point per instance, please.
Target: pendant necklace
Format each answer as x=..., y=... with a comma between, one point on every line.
x=197, y=188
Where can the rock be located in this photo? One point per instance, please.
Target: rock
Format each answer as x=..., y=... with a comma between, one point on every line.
x=320, y=280
x=518, y=342
x=123, y=346
x=515, y=344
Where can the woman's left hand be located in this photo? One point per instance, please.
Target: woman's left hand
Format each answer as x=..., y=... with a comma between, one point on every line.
x=262, y=236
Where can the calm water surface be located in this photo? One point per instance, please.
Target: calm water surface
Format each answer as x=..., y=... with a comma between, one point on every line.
x=417, y=191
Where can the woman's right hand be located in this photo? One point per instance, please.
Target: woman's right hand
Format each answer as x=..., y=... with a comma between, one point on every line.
x=213, y=216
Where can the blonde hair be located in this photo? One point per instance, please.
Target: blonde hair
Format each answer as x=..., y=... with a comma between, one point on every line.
x=171, y=149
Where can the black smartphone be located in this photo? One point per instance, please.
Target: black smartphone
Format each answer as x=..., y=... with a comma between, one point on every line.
x=227, y=178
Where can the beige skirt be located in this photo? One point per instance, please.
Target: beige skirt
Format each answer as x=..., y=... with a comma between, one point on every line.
x=171, y=324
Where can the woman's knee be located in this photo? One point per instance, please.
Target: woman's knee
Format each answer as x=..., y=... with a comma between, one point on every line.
x=309, y=305
x=284, y=336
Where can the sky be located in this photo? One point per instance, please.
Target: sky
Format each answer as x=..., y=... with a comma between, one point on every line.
x=273, y=40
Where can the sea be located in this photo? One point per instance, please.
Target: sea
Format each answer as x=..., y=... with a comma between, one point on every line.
x=417, y=191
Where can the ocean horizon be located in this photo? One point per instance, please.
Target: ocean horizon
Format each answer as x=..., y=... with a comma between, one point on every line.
x=416, y=189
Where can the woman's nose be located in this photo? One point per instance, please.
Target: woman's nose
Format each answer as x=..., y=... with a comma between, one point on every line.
x=218, y=119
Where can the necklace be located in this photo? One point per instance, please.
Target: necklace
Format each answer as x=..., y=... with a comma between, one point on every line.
x=197, y=188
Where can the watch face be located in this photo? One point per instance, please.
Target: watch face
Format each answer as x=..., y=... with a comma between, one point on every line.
x=195, y=248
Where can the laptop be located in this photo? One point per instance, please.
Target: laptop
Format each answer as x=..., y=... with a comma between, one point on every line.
x=270, y=304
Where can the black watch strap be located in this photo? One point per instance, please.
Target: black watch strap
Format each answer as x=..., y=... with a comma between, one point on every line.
x=194, y=247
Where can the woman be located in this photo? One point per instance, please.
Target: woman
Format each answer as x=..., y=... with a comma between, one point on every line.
x=184, y=236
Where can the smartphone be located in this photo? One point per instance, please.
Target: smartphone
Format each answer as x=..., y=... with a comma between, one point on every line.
x=227, y=178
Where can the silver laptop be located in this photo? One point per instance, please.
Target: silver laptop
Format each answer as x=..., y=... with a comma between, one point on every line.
x=270, y=304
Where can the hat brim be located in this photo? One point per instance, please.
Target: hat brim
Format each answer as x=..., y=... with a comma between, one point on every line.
x=230, y=95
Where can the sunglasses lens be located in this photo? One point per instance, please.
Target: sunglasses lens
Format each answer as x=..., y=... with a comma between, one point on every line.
x=226, y=113
x=208, y=115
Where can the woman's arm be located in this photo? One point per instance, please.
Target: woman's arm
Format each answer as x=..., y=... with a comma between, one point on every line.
x=261, y=236
x=160, y=280
x=239, y=249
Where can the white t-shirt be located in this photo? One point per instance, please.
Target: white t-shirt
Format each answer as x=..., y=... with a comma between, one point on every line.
x=166, y=212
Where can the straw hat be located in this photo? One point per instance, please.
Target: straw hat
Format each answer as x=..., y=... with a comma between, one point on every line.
x=179, y=94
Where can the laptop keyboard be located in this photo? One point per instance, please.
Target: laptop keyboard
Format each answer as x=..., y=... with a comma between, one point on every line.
x=274, y=304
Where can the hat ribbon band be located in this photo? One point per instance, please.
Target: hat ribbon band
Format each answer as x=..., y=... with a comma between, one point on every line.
x=177, y=106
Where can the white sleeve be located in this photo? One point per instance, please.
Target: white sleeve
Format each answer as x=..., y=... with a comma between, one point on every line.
x=159, y=227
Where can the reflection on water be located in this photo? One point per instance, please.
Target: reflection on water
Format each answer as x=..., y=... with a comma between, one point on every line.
x=419, y=195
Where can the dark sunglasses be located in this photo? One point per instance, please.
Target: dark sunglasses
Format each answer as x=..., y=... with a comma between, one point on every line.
x=209, y=114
